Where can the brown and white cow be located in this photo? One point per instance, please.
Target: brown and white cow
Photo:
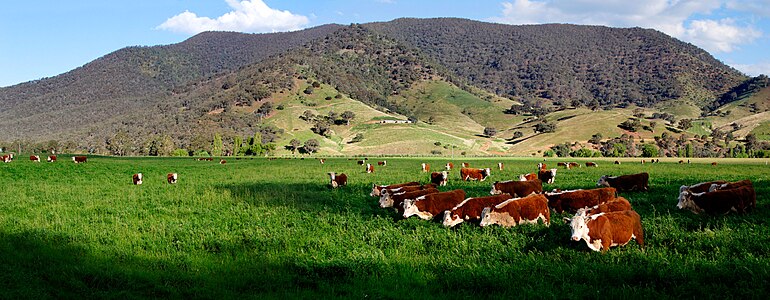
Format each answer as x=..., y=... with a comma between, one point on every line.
x=573, y=165
x=605, y=230
x=500, y=166
x=382, y=163
x=541, y=166
x=386, y=193
x=79, y=159
x=573, y=200
x=51, y=158
x=396, y=199
x=639, y=182
x=714, y=163
x=517, y=211
x=562, y=164
x=171, y=178
x=321, y=160
x=517, y=188
x=617, y=204
x=465, y=165
x=425, y=167
x=469, y=174
x=547, y=176
x=34, y=158
x=6, y=158
x=369, y=168
x=617, y=162
x=470, y=209
x=439, y=178
x=377, y=189
x=719, y=202
x=449, y=166
x=591, y=164
x=361, y=162
x=338, y=180
x=137, y=178
x=730, y=185
x=428, y=206
x=700, y=187
x=527, y=177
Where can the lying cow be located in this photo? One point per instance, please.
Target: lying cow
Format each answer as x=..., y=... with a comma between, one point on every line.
x=34, y=158
x=528, y=177
x=428, y=206
x=6, y=158
x=605, y=230
x=171, y=178
x=563, y=164
x=617, y=204
x=470, y=209
x=571, y=201
x=79, y=159
x=51, y=158
x=730, y=185
x=425, y=167
x=517, y=211
x=469, y=174
x=396, y=200
x=639, y=182
x=573, y=165
x=719, y=202
x=338, y=180
x=449, y=166
x=591, y=164
x=517, y=188
x=541, y=166
x=382, y=163
x=137, y=178
x=369, y=168
x=388, y=193
x=465, y=165
x=321, y=160
x=439, y=178
x=376, y=189
x=700, y=187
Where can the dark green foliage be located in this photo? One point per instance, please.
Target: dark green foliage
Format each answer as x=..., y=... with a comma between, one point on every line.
x=745, y=89
x=359, y=137
x=311, y=146
x=685, y=124
x=490, y=131
x=632, y=125
x=545, y=127
x=649, y=150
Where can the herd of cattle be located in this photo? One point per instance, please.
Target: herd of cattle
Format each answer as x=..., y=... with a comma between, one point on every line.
x=7, y=158
x=602, y=218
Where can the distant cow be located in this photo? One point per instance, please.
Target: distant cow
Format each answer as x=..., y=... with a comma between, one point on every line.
x=517, y=211
x=465, y=165
x=338, y=180
x=449, y=166
x=428, y=206
x=34, y=158
x=591, y=164
x=605, y=230
x=79, y=159
x=681, y=161
x=547, y=176
x=171, y=178
x=439, y=178
x=382, y=163
x=396, y=200
x=527, y=177
x=51, y=158
x=517, y=188
x=562, y=164
x=617, y=204
x=500, y=166
x=222, y=161
x=700, y=187
x=639, y=182
x=541, y=166
x=361, y=162
x=6, y=158
x=714, y=163
x=377, y=189
x=470, y=209
x=571, y=201
x=617, y=162
x=719, y=202
x=573, y=165
x=425, y=167
x=474, y=174
x=729, y=185
x=137, y=178
x=369, y=168
x=321, y=160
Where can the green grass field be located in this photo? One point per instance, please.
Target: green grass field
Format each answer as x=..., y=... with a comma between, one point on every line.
x=260, y=228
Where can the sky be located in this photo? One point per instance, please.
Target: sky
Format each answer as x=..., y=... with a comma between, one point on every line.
x=44, y=38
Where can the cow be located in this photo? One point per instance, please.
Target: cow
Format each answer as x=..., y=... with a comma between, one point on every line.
x=470, y=209
x=469, y=174
x=681, y=161
x=79, y=159
x=517, y=211
x=605, y=230
x=729, y=185
x=51, y=158
x=714, y=163
x=639, y=182
x=137, y=178
x=547, y=176
x=361, y=162
x=465, y=165
x=338, y=180
x=449, y=166
x=428, y=206
x=439, y=178
x=396, y=200
x=382, y=163
x=591, y=164
x=573, y=200
x=527, y=177
x=405, y=189
x=6, y=158
x=425, y=167
x=500, y=166
x=34, y=158
x=171, y=178
x=321, y=160
x=377, y=189
x=573, y=165
x=617, y=162
x=643, y=161
x=563, y=164
x=719, y=202
x=541, y=166
x=700, y=187
x=222, y=161
x=617, y=204
x=517, y=188
x=369, y=168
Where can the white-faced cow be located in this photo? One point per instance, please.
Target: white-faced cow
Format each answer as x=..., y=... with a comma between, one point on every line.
x=321, y=160
x=387, y=193
x=439, y=178
x=517, y=188
x=500, y=166
x=639, y=182
x=34, y=158
x=719, y=202
x=51, y=158
x=541, y=166
x=563, y=164
x=222, y=161
x=428, y=206
x=6, y=158
x=469, y=174
x=700, y=187
x=382, y=163
x=338, y=180
x=527, y=177
x=396, y=200
x=591, y=164
x=137, y=178
x=369, y=168
x=171, y=178
x=377, y=189
x=573, y=200
x=449, y=166
x=79, y=159
x=470, y=209
x=547, y=176
x=605, y=230
x=465, y=165
x=517, y=211
x=425, y=167
x=730, y=185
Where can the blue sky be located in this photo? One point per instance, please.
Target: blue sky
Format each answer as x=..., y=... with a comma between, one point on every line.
x=45, y=38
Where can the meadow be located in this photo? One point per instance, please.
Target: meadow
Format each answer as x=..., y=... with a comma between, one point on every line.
x=258, y=228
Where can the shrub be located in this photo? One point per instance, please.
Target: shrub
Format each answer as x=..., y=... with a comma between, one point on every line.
x=180, y=152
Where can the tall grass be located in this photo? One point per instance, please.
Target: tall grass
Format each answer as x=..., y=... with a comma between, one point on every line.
x=253, y=228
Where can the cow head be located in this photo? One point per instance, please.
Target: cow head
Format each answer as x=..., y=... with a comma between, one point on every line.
x=376, y=191
x=715, y=187
x=485, y=173
x=553, y=176
x=486, y=217
x=522, y=177
x=495, y=190
x=386, y=200
x=683, y=188
x=603, y=181
x=686, y=202
x=444, y=178
x=174, y=177
x=410, y=209
x=579, y=225
x=450, y=219
x=333, y=176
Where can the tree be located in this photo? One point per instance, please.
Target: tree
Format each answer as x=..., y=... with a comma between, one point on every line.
x=311, y=146
x=653, y=124
x=596, y=138
x=333, y=116
x=517, y=134
x=359, y=137
x=217, y=147
x=166, y=145
x=321, y=127
x=119, y=144
x=307, y=115
x=545, y=127
x=347, y=116
x=237, y=143
x=649, y=150
x=308, y=90
x=490, y=131
x=685, y=124
x=266, y=108
x=294, y=145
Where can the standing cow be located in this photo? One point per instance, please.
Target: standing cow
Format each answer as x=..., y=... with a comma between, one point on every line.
x=171, y=178
x=425, y=167
x=137, y=179
x=469, y=174
x=369, y=168
x=639, y=182
x=51, y=158
x=439, y=178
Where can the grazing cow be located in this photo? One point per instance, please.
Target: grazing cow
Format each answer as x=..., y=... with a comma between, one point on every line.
x=527, y=177
x=465, y=165
x=571, y=201
x=369, y=168
x=382, y=163
x=719, y=202
x=517, y=188
x=51, y=158
x=321, y=160
x=562, y=164
x=361, y=162
x=500, y=166
x=6, y=158
x=222, y=161
x=617, y=162
x=714, y=163
x=428, y=206
x=617, y=204
x=573, y=165
x=449, y=166
x=79, y=159
x=605, y=230
x=34, y=158
x=517, y=211
x=425, y=167
x=470, y=209
x=730, y=185
x=700, y=187
x=137, y=178
x=396, y=200
x=547, y=176
x=681, y=161
x=469, y=174
x=591, y=164
x=639, y=182
x=439, y=178
x=377, y=189
x=541, y=166
x=171, y=178
x=338, y=180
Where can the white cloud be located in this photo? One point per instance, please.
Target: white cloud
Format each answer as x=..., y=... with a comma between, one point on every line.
x=247, y=16
x=386, y=1
x=670, y=17
x=757, y=7
x=754, y=69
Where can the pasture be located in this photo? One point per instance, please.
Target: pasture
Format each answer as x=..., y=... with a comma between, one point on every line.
x=255, y=227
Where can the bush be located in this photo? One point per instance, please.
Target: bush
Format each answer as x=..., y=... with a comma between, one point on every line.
x=549, y=153
x=435, y=152
x=180, y=152
x=201, y=153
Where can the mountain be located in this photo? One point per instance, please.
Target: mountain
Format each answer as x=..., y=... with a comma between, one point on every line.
x=455, y=76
